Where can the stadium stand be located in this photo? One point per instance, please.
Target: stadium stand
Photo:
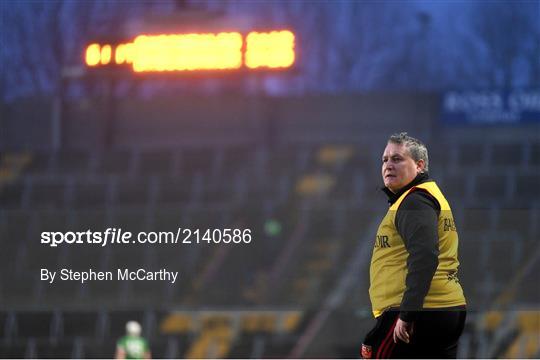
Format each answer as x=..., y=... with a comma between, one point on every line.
x=310, y=204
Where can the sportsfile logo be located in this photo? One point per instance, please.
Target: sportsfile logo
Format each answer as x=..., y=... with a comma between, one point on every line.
x=119, y=236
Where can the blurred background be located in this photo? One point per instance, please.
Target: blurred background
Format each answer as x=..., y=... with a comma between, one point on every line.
x=291, y=153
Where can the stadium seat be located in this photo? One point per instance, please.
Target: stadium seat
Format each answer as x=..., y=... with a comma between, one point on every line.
x=99, y=350
x=197, y=160
x=79, y=324
x=455, y=188
x=163, y=348
x=476, y=220
x=507, y=155
x=239, y=158
x=509, y=249
x=90, y=193
x=15, y=229
x=37, y=324
x=156, y=162
x=472, y=262
x=87, y=256
x=91, y=219
x=132, y=192
x=115, y=162
x=13, y=351
x=3, y=324
x=130, y=256
x=358, y=221
x=442, y=157
x=55, y=294
x=534, y=159
x=366, y=157
x=17, y=290
x=472, y=155
x=491, y=188
x=245, y=345
x=72, y=162
x=515, y=220
x=101, y=293
x=176, y=323
x=142, y=293
x=48, y=194
x=41, y=163
x=526, y=293
x=132, y=219
x=220, y=193
x=11, y=196
x=59, y=350
x=322, y=224
x=350, y=187
x=526, y=185
x=175, y=190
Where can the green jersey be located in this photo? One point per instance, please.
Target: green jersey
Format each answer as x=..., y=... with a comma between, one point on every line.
x=134, y=346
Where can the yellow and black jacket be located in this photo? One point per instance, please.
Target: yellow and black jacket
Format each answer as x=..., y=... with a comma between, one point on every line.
x=415, y=257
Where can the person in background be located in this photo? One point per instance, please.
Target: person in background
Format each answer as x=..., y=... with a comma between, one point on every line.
x=133, y=345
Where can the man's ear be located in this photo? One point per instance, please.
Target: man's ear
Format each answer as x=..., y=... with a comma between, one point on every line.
x=420, y=165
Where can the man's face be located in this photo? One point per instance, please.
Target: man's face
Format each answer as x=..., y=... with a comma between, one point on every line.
x=398, y=167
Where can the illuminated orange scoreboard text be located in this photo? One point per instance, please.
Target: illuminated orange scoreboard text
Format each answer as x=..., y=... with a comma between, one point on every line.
x=198, y=52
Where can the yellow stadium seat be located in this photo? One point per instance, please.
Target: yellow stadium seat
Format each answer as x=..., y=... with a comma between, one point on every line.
x=212, y=343
x=315, y=184
x=291, y=320
x=334, y=154
x=525, y=346
x=529, y=322
x=177, y=324
x=492, y=320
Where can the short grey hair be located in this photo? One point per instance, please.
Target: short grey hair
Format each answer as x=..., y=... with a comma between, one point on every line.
x=416, y=148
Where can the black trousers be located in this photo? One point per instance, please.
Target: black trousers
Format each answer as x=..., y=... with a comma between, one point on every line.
x=435, y=335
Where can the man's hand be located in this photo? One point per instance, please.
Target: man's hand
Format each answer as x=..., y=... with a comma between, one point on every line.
x=403, y=331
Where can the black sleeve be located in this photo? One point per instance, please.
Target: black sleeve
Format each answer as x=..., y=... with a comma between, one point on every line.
x=416, y=222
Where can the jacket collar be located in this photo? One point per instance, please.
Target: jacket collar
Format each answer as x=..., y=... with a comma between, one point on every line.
x=419, y=179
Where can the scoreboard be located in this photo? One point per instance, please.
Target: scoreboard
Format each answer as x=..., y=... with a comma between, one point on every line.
x=188, y=52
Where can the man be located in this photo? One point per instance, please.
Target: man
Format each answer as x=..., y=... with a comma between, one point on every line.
x=132, y=346
x=415, y=294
